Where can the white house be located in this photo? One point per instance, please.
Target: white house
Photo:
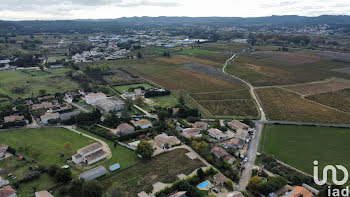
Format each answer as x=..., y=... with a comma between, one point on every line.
x=93, y=97
x=89, y=154
x=3, y=149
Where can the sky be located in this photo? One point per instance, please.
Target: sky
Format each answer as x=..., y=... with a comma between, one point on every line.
x=102, y=9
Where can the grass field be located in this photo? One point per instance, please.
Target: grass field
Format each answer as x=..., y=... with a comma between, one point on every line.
x=165, y=101
x=163, y=168
x=299, y=146
x=339, y=99
x=23, y=83
x=122, y=88
x=48, y=142
x=280, y=104
x=281, y=68
x=236, y=107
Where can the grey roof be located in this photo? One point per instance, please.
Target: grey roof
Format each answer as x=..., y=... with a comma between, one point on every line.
x=67, y=115
x=90, y=148
x=108, y=103
x=93, y=173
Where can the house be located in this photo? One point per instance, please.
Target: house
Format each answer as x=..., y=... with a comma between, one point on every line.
x=45, y=105
x=125, y=129
x=200, y=125
x=93, y=97
x=66, y=116
x=143, y=123
x=219, y=179
x=299, y=191
x=136, y=92
x=7, y=191
x=221, y=153
x=56, y=66
x=178, y=194
x=110, y=104
x=13, y=118
x=191, y=132
x=234, y=143
x=62, y=107
x=93, y=173
x=241, y=134
x=235, y=194
x=237, y=125
x=3, y=149
x=165, y=141
x=216, y=133
x=43, y=194
x=45, y=98
x=49, y=116
x=89, y=154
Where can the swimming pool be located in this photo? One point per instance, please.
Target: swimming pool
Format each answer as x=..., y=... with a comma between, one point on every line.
x=204, y=185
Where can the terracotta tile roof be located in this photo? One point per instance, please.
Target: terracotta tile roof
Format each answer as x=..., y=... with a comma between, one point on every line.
x=43, y=194
x=90, y=148
x=215, y=132
x=124, y=126
x=6, y=191
x=142, y=122
x=238, y=125
x=13, y=118
x=298, y=191
x=95, y=95
x=219, y=152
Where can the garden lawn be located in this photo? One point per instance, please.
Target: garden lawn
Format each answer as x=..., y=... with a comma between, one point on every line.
x=44, y=144
x=299, y=146
x=166, y=101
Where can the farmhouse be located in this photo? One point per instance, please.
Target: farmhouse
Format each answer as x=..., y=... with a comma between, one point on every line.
x=143, y=123
x=45, y=98
x=136, y=92
x=93, y=173
x=89, y=154
x=165, y=141
x=43, y=194
x=93, y=97
x=13, y=118
x=216, y=133
x=221, y=153
x=49, y=116
x=219, y=179
x=234, y=143
x=3, y=149
x=191, y=132
x=45, y=105
x=110, y=104
x=200, y=125
x=241, y=134
x=237, y=125
x=7, y=191
x=125, y=129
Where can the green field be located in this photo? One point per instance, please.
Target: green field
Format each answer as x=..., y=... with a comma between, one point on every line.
x=23, y=83
x=299, y=146
x=166, y=101
x=163, y=168
x=122, y=88
x=48, y=142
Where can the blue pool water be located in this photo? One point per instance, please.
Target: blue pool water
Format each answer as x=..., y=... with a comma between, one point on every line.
x=204, y=184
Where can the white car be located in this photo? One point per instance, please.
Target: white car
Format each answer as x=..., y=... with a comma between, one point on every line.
x=245, y=160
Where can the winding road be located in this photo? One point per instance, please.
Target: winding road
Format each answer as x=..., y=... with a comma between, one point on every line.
x=254, y=143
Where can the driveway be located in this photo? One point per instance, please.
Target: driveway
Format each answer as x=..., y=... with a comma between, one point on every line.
x=80, y=107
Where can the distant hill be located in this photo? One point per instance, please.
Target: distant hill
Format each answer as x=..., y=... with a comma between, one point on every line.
x=117, y=25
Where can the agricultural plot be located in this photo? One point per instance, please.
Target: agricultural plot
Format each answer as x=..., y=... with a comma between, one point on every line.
x=282, y=68
x=118, y=76
x=23, y=83
x=339, y=99
x=165, y=101
x=280, y=104
x=236, y=107
x=299, y=146
x=141, y=176
x=238, y=94
x=320, y=87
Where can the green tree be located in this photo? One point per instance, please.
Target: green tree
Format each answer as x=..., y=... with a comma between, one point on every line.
x=92, y=188
x=63, y=175
x=229, y=184
x=42, y=92
x=181, y=100
x=200, y=173
x=75, y=187
x=52, y=169
x=145, y=149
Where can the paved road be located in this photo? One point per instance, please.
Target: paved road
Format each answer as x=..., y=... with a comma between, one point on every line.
x=147, y=114
x=80, y=107
x=251, y=155
x=251, y=88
